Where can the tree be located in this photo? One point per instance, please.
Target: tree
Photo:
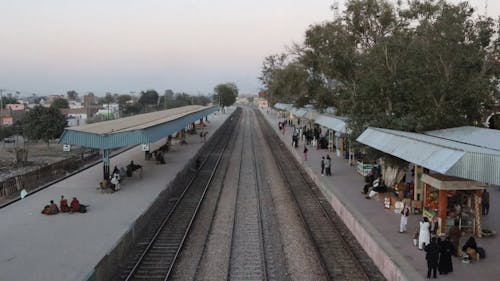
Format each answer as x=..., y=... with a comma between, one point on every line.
x=148, y=98
x=72, y=95
x=8, y=100
x=107, y=99
x=429, y=65
x=60, y=103
x=225, y=94
x=42, y=123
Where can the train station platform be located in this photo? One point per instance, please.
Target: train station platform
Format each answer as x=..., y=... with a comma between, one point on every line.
x=65, y=246
x=377, y=228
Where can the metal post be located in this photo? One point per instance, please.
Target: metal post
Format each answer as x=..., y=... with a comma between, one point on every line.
x=1, y=108
x=105, y=163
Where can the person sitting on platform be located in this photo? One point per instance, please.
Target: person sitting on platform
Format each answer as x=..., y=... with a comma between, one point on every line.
x=471, y=249
x=133, y=167
x=47, y=210
x=378, y=187
x=77, y=207
x=64, y=204
x=53, y=207
x=115, y=171
x=159, y=158
x=115, y=182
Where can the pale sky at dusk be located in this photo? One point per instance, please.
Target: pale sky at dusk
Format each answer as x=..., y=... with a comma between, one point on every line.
x=52, y=46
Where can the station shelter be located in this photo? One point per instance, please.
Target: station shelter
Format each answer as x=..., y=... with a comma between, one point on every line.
x=337, y=133
x=142, y=129
x=451, y=166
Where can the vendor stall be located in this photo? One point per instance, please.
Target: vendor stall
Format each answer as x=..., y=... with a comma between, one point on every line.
x=451, y=199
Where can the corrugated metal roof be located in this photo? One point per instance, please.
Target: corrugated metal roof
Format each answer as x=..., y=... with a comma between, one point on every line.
x=283, y=106
x=311, y=114
x=137, y=122
x=143, y=128
x=299, y=112
x=335, y=123
x=476, y=136
x=444, y=156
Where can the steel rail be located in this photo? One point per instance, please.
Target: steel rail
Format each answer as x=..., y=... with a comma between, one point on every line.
x=283, y=157
x=163, y=224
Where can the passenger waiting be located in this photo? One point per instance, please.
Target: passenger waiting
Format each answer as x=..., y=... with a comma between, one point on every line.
x=77, y=207
x=133, y=167
x=64, y=205
x=53, y=207
x=159, y=157
x=47, y=210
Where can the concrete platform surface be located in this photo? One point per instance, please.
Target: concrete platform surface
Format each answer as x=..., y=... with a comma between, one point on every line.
x=36, y=247
x=400, y=260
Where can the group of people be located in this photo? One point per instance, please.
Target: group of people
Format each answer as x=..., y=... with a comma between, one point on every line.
x=374, y=184
x=438, y=256
x=326, y=165
x=439, y=252
x=73, y=207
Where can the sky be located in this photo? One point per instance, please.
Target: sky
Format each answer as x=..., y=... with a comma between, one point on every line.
x=125, y=46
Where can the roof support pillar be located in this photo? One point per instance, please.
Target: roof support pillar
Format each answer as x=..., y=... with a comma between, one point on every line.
x=105, y=163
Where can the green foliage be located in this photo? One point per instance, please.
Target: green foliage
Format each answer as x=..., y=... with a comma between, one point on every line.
x=428, y=65
x=107, y=99
x=8, y=100
x=42, y=123
x=225, y=94
x=72, y=95
x=149, y=97
x=131, y=109
x=60, y=103
x=123, y=99
x=6, y=131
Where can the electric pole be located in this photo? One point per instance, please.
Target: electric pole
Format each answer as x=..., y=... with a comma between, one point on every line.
x=1, y=108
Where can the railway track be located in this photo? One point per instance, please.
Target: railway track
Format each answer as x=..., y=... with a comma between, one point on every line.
x=247, y=257
x=157, y=256
x=248, y=245
x=338, y=260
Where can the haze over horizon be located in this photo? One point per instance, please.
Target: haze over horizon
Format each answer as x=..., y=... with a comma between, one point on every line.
x=123, y=46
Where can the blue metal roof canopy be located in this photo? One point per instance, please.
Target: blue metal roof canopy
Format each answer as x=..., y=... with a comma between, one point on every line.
x=134, y=130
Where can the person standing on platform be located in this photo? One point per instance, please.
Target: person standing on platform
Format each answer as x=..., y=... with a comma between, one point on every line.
x=305, y=152
x=404, y=219
x=424, y=233
x=328, y=165
x=322, y=165
x=446, y=250
x=432, y=257
x=485, y=202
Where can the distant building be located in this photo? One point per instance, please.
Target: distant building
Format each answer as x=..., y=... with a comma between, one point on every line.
x=15, y=106
x=260, y=102
x=12, y=113
x=48, y=100
x=75, y=116
x=110, y=111
x=90, y=105
x=75, y=104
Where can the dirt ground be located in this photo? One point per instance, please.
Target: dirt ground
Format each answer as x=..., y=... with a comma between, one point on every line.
x=39, y=154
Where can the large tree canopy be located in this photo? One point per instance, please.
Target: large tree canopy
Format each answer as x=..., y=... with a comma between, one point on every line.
x=60, y=103
x=225, y=94
x=42, y=123
x=427, y=65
